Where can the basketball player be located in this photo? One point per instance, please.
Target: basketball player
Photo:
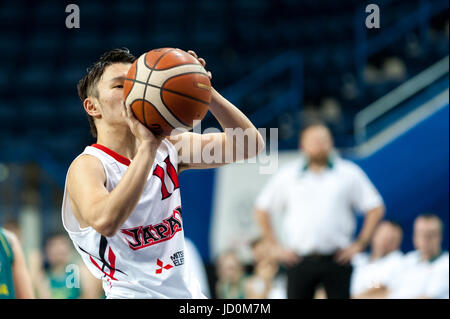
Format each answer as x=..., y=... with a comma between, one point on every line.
x=122, y=204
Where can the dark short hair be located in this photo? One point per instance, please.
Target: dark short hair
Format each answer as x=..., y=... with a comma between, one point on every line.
x=311, y=123
x=88, y=84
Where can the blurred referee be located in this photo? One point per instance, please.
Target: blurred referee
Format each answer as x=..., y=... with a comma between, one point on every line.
x=312, y=203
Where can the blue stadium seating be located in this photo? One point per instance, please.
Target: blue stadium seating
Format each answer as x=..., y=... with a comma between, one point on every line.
x=42, y=60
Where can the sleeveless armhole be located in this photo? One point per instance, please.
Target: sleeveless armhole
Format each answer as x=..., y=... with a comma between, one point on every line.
x=70, y=223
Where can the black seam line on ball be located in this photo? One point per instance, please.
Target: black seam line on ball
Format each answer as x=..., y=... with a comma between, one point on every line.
x=171, y=67
x=169, y=90
x=148, y=79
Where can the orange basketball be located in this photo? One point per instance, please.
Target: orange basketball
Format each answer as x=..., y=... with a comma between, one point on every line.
x=167, y=89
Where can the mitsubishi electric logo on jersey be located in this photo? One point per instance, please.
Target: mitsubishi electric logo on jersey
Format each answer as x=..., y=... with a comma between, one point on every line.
x=145, y=236
x=161, y=266
x=178, y=258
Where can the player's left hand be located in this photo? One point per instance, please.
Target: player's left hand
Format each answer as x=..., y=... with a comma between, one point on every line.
x=201, y=60
x=344, y=256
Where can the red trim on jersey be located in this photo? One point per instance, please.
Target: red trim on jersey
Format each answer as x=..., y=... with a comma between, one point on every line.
x=112, y=260
x=110, y=152
x=99, y=268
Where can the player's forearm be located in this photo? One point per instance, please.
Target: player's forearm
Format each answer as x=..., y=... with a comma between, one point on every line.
x=22, y=281
x=120, y=203
x=371, y=221
x=263, y=220
x=21, y=277
x=230, y=117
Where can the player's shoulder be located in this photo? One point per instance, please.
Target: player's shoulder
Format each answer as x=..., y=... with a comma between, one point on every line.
x=443, y=260
x=412, y=257
x=85, y=161
x=171, y=142
x=291, y=167
x=393, y=259
x=360, y=259
x=396, y=255
x=85, y=165
x=345, y=163
x=177, y=142
x=11, y=238
x=285, y=173
x=171, y=149
x=347, y=166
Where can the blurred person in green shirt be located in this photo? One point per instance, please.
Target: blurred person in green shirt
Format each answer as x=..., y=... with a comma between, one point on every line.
x=15, y=281
x=59, y=275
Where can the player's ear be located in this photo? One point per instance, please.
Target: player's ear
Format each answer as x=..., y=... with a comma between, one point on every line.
x=91, y=107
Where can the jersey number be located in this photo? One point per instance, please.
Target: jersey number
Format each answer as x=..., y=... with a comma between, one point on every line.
x=171, y=172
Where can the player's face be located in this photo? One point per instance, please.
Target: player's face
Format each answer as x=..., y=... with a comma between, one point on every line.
x=387, y=238
x=427, y=236
x=110, y=92
x=316, y=142
x=229, y=268
x=58, y=251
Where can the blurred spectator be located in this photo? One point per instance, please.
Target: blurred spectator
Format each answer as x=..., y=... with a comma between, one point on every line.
x=15, y=281
x=385, y=258
x=424, y=272
x=330, y=110
x=413, y=47
x=266, y=281
x=314, y=199
x=60, y=276
x=231, y=277
x=372, y=75
x=394, y=69
x=349, y=88
x=195, y=264
x=260, y=284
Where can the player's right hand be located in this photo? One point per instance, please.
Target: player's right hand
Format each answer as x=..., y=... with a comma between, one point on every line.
x=141, y=133
x=286, y=256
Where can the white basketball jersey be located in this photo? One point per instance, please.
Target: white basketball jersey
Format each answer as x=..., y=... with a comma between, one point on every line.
x=145, y=258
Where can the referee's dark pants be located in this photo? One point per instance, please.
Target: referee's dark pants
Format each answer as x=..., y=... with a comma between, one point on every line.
x=314, y=270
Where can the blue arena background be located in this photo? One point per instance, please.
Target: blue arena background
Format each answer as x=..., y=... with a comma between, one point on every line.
x=278, y=61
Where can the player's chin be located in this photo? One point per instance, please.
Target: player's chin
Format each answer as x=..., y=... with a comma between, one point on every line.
x=319, y=157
